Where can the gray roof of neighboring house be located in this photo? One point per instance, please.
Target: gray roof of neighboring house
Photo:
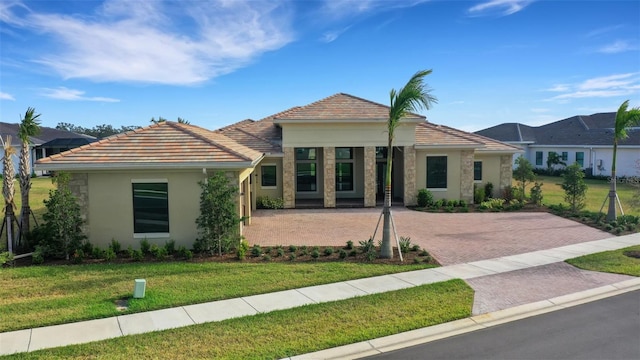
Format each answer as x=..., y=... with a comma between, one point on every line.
x=596, y=129
x=46, y=134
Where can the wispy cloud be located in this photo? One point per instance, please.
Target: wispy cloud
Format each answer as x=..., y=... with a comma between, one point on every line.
x=559, y=88
x=603, y=30
x=618, y=47
x=332, y=35
x=6, y=96
x=499, y=7
x=63, y=93
x=601, y=87
x=153, y=41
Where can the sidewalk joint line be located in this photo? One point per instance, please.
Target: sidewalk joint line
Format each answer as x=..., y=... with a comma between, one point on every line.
x=188, y=315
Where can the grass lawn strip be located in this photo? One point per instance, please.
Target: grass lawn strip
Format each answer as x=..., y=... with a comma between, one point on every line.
x=291, y=332
x=614, y=261
x=47, y=295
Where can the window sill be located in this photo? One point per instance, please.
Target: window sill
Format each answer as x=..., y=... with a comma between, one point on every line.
x=437, y=189
x=151, y=235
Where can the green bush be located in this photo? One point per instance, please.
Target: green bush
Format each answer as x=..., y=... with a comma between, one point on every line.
x=371, y=255
x=78, y=256
x=488, y=190
x=353, y=253
x=536, y=193
x=349, y=245
x=367, y=246
x=170, y=246
x=425, y=198
x=279, y=252
x=138, y=255
x=97, y=253
x=109, y=254
x=292, y=257
x=265, y=202
x=256, y=250
x=492, y=204
x=315, y=254
x=415, y=247
x=186, y=253
x=405, y=244
x=328, y=251
x=243, y=248
x=5, y=257
x=115, y=246
x=266, y=258
x=158, y=252
x=478, y=195
x=145, y=246
x=293, y=248
x=38, y=255
x=342, y=254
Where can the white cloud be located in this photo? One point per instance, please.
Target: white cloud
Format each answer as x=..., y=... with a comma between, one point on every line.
x=617, y=47
x=601, y=87
x=348, y=8
x=152, y=41
x=603, y=30
x=331, y=36
x=539, y=110
x=63, y=93
x=502, y=7
x=6, y=96
x=559, y=88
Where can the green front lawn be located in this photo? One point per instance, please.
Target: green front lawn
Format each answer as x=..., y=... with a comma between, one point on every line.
x=46, y=295
x=610, y=261
x=285, y=333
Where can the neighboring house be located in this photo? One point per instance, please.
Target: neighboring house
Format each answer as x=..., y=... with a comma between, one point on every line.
x=583, y=139
x=48, y=142
x=143, y=184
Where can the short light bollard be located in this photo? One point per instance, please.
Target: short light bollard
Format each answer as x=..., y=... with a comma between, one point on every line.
x=139, y=287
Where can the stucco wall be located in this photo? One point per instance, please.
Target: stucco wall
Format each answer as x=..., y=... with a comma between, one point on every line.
x=490, y=172
x=111, y=206
x=272, y=192
x=452, y=192
x=345, y=135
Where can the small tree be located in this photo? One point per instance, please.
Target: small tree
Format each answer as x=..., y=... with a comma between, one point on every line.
x=63, y=222
x=575, y=189
x=29, y=126
x=554, y=159
x=219, y=219
x=524, y=175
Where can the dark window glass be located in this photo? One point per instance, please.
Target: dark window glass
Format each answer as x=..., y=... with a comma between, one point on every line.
x=477, y=170
x=381, y=152
x=436, y=172
x=268, y=175
x=538, y=157
x=305, y=153
x=565, y=156
x=344, y=153
x=306, y=177
x=344, y=176
x=150, y=208
x=580, y=158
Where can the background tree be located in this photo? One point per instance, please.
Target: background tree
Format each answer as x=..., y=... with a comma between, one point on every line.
x=98, y=131
x=524, y=175
x=554, y=159
x=218, y=220
x=413, y=96
x=635, y=184
x=63, y=221
x=29, y=126
x=575, y=189
x=8, y=190
x=624, y=120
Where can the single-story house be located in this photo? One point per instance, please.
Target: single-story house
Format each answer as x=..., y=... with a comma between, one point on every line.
x=583, y=139
x=143, y=184
x=48, y=142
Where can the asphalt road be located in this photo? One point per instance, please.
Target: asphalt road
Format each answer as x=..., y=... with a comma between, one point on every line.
x=603, y=329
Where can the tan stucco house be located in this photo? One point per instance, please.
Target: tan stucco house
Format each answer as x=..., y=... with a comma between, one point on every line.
x=330, y=153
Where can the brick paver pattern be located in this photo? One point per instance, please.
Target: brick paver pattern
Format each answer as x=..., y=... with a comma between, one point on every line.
x=450, y=238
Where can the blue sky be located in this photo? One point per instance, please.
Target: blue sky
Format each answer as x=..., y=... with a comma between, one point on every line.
x=214, y=63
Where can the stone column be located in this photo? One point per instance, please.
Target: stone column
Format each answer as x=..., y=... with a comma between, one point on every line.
x=289, y=177
x=506, y=172
x=247, y=199
x=466, y=176
x=370, y=176
x=329, y=168
x=410, y=191
x=79, y=186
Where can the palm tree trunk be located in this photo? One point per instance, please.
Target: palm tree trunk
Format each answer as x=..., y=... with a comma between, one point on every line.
x=25, y=187
x=611, y=214
x=386, y=250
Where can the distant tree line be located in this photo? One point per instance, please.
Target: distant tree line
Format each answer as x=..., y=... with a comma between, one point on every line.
x=99, y=131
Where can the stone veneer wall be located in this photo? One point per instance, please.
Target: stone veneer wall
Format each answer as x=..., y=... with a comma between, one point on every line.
x=466, y=175
x=288, y=178
x=329, y=165
x=506, y=172
x=410, y=192
x=370, y=176
x=79, y=186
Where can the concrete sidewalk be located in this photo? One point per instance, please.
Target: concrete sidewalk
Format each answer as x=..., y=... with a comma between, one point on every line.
x=94, y=330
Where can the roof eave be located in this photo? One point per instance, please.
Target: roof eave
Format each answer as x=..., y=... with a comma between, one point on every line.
x=338, y=121
x=442, y=146
x=147, y=166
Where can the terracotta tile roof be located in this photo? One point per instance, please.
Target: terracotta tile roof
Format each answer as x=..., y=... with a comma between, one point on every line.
x=340, y=107
x=432, y=135
x=159, y=145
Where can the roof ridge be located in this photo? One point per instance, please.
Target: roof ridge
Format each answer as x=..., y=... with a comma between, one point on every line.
x=184, y=127
x=582, y=122
x=519, y=132
x=448, y=129
x=253, y=135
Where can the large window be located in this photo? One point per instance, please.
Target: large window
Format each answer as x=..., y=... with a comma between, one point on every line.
x=436, y=172
x=306, y=169
x=580, y=158
x=150, y=207
x=477, y=170
x=538, y=157
x=269, y=178
x=344, y=169
x=565, y=156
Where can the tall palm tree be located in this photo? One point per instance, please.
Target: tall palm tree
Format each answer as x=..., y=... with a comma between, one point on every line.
x=624, y=120
x=8, y=190
x=29, y=126
x=413, y=96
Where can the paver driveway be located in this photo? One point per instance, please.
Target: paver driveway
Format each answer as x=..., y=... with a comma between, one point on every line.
x=450, y=238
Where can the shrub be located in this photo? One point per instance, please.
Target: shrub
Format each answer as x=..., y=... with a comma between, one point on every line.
x=488, y=190
x=349, y=245
x=265, y=202
x=628, y=219
x=328, y=251
x=292, y=248
x=536, y=193
x=353, y=253
x=342, y=254
x=159, y=253
x=415, y=247
x=77, y=257
x=367, y=246
x=109, y=254
x=5, y=257
x=97, y=253
x=478, y=194
x=492, y=204
x=292, y=257
x=170, y=246
x=371, y=255
x=145, y=246
x=425, y=198
x=256, y=250
x=115, y=246
x=424, y=253
x=462, y=204
x=87, y=247
x=267, y=250
x=138, y=255
x=243, y=248
x=417, y=260
x=38, y=255
x=405, y=244
x=266, y=258
x=304, y=250
x=514, y=205
x=188, y=254
x=279, y=252
x=315, y=254
x=574, y=187
x=523, y=174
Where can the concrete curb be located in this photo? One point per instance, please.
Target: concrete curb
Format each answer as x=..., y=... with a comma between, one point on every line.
x=462, y=326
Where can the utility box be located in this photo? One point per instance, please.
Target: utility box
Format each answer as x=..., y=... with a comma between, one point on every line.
x=139, y=288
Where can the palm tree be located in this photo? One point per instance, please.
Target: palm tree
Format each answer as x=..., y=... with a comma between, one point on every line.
x=624, y=120
x=29, y=126
x=413, y=96
x=8, y=190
